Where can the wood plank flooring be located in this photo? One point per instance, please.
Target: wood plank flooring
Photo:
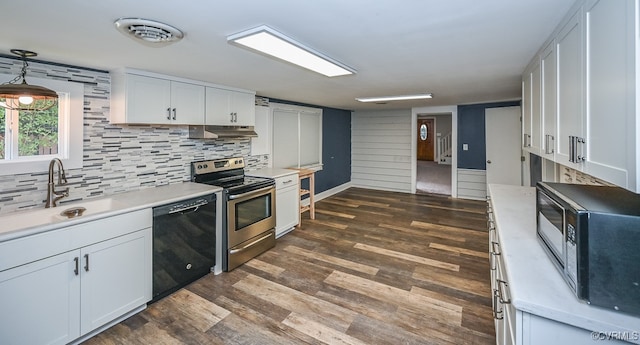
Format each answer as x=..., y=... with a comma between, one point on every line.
x=373, y=268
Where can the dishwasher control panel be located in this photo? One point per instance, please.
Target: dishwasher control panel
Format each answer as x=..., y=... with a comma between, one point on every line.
x=187, y=205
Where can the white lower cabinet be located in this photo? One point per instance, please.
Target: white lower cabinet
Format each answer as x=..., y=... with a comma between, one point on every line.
x=515, y=326
x=114, y=278
x=59, y=298
x=40, y=302
x=287, y=203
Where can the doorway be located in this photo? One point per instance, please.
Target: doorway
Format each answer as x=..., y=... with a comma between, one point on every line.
x=425, y=140
x=433, y=154
x=502, y=132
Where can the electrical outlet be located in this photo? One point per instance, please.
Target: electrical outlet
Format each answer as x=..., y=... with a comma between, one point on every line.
x=465, y=147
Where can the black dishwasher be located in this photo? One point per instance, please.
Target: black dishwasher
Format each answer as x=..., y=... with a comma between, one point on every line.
x=183, y=243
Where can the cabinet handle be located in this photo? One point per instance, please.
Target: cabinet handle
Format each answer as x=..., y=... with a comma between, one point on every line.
x=574, y=157
x=549, y=144
x=86, y=260
x=231, y=114
x=174, y=113
x=502, y=294
x=492, y=256
x=77, y=262
x=497, y=314
x=168, y=113
x=287, y=182
x=580, y=157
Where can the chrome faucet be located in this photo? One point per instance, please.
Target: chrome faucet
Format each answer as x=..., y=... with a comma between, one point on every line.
x=54, y=195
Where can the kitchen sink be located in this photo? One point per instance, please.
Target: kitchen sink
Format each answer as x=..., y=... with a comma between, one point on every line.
x=43, y=216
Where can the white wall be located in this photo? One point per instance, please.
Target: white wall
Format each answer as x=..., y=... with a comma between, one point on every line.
x=381, y=150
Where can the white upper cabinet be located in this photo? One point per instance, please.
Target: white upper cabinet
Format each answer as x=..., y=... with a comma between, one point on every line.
x=526, y=109
x=229, y=107
x=611, y=91
x=151, y=100
x=531, y=113
x=548, y=101
x=570, y=100
x=589, y=91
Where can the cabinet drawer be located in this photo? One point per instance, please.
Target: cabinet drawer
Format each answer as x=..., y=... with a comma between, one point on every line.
x=287, y=181
x=35, y=247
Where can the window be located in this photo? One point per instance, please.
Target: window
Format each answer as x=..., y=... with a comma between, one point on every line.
x=29, y=140
x=297, y=137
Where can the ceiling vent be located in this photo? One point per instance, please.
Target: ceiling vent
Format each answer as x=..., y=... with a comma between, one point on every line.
x=148, y=32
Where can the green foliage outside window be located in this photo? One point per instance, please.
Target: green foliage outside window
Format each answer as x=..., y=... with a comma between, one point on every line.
x=37, y=134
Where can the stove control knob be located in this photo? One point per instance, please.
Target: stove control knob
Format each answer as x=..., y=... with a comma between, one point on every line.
x=199, y=166
x=205, y=166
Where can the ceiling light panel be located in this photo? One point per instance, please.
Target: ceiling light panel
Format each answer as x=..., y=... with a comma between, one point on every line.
x=395, y=98
x=268, y=41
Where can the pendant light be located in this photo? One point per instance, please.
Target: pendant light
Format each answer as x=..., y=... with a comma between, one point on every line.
x=18, y=95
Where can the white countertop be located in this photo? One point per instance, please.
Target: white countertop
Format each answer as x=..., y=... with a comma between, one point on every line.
x=33, y=221
x=535, y=284
x=271, y=172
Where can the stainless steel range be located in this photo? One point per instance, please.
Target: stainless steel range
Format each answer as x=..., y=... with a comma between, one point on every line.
x=248, y=209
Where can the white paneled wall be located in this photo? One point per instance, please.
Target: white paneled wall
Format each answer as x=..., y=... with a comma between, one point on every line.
x=381, y=150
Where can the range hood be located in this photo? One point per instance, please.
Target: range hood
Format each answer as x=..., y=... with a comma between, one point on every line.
x=214, y=132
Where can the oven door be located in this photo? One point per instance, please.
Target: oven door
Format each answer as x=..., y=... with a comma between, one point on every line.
x=250, y=214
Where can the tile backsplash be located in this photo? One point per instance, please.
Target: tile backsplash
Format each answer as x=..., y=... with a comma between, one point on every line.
x=569, y=175
x=117, y=158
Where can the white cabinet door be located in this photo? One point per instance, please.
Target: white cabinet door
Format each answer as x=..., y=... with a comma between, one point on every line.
x=526, y=109
x=116, y=278
x=229, y=108
x=40, y=301
x=217, y=107
x=287, y=203
x=536, y=117
x=187, y=103
x=243, y=105
x=570, y=89
x=549, y=100
x=610, y=91
x=147, y=99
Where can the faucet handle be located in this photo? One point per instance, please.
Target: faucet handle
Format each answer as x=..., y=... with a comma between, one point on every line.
x=63, y=192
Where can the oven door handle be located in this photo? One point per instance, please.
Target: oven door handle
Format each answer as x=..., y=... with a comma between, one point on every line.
x=234, y=251
x=253, y=192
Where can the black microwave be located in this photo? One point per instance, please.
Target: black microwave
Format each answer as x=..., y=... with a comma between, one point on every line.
x=592, y=235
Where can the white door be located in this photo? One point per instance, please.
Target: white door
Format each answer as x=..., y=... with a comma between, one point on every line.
x=502, y=130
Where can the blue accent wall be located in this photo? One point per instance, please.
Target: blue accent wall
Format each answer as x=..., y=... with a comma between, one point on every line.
x=336, y=147
x=471, y=131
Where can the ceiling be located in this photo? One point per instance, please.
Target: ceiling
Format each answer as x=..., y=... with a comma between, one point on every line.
x=463, y=51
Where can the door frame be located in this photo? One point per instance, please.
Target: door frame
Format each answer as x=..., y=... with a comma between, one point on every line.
x=436, y=158
x=431, y=111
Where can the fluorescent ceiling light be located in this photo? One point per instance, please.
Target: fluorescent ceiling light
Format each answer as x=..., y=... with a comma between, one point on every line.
x=395, y=98
x=268, y=41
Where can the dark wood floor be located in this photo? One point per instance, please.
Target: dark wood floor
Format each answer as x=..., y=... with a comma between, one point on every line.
x=373, y=268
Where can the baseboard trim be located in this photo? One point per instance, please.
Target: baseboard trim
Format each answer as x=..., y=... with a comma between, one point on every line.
x=327, y=193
